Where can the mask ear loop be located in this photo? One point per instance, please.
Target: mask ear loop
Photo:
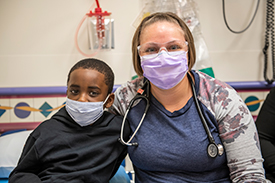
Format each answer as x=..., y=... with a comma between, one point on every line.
x=106, y=99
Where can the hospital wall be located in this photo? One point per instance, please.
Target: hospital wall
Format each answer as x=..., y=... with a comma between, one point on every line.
x=37, y=39
x=37, y=46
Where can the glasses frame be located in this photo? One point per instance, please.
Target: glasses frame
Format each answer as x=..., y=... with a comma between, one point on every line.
x=163, y=47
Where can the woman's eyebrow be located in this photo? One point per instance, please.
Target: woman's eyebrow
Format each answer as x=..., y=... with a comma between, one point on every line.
x=152, y=43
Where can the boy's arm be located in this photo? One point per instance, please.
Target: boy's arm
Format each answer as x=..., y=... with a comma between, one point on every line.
x=119, y=161
x=28, y=165
x=123, y=154
x=23, y=177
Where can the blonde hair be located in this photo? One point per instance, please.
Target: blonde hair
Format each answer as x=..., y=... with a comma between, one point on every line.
x=159, y=17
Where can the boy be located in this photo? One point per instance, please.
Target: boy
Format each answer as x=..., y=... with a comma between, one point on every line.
x=79, y=144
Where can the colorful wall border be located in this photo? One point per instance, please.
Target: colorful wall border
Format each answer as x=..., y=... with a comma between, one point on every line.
x=27, y=107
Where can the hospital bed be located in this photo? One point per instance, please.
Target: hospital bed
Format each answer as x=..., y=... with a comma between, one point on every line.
x=11, y=145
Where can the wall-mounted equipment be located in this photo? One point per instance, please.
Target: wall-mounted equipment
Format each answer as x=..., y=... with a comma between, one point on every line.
x=269, y=41
x=100, y=28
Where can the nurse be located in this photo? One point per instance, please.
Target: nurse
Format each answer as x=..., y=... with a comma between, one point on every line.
x=172, y=142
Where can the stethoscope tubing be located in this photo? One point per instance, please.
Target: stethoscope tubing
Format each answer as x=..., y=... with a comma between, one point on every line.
x=209, y=135
x=212, y=149
x=140, y=123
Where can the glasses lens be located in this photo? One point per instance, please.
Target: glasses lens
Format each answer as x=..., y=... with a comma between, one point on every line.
x=174, y=47
x=148, y=49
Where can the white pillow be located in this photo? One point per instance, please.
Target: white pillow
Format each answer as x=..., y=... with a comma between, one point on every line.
x=11, y=147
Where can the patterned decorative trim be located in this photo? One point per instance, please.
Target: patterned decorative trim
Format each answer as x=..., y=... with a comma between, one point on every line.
x=22, y=113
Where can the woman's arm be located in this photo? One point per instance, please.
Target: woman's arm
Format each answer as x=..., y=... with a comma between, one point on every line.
x=237, y=130
x=240, y=138
x=124, y=94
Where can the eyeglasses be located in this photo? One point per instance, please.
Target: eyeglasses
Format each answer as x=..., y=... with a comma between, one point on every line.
x=152, y=49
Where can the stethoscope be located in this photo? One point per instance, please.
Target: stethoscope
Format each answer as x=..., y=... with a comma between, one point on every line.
x=213, y=149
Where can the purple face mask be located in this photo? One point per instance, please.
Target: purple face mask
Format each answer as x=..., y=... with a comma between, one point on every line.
x=165, y=71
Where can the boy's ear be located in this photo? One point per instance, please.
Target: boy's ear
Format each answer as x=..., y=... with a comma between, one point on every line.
x=110, y=100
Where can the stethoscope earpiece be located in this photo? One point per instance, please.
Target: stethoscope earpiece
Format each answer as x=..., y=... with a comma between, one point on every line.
x=127, y=143
x=135, y=144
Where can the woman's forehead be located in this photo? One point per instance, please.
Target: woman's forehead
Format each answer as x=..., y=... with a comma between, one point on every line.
x=160, y=32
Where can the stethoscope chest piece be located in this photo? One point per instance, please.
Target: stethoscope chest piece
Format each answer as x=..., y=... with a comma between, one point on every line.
x=220, y=149
x=214, y=150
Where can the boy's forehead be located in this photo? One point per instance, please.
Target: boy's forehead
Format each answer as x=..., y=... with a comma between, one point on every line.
x=86, y=76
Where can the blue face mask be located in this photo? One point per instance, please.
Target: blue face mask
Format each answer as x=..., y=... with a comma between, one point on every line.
x=85, y=113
